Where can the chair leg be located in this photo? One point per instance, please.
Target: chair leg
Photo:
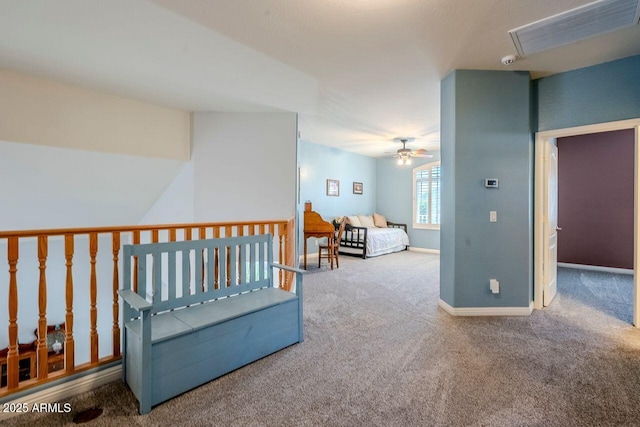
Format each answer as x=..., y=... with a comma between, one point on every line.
x=319, y=256
x=337, y=258
x=330, y=254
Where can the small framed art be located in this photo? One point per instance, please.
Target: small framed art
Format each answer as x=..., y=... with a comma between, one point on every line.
x=357, y=188
x=333, y=187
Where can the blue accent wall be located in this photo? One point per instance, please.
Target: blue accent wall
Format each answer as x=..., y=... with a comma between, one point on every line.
x=317, y=164
x=395, y=199
x=486, y=133
x=598, y=94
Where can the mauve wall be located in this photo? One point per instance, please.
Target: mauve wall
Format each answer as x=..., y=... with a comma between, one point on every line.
x=595, y=199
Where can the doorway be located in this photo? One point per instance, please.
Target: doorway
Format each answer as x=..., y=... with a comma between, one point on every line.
x=544, y=258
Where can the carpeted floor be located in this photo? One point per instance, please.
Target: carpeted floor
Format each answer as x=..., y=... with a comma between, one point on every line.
x=379, y=352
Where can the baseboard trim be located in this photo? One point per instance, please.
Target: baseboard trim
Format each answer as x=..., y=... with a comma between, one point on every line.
x=66, y=388
x=486, y=311
x=597, y=268
x=425, y=250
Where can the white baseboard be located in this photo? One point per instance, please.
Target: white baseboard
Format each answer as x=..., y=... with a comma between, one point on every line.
x=425, y=250
x=486, y=311
x=596, y=268
x=67, y=389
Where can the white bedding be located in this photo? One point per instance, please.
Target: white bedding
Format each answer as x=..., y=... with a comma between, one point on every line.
x=382, y=241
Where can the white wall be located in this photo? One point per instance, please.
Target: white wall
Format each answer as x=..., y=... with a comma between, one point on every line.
x=176, y=204
x=49, y=187
x=244, y=166
x=46, y=112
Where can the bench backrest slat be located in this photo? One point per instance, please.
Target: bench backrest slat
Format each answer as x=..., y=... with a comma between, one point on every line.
x=177, y=274
x=172, y=274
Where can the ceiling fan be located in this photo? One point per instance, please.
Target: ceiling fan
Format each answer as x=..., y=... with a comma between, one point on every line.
x=405, y=154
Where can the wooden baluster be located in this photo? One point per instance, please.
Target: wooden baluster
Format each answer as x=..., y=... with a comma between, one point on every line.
x=240, y=230
x=261, y=228
x=228, y=231
x=136, y=241
x=115, y=332
x=42, y=350
x=93, y=291
x=252, y=229
x=172, y=235
x=272, y=231
x=155, y=236
x=69, y=344
x=289, y=253
x=187, y=234
x=12, y=354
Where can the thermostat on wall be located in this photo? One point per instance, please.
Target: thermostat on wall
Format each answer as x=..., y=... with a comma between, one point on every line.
x=491, y=183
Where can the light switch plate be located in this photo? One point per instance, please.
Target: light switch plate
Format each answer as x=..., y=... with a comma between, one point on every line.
x=493, y=216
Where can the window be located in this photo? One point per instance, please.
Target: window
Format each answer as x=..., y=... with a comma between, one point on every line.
x=426, y=196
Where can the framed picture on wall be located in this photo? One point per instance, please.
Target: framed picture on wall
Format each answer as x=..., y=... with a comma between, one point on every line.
x=333, y=187
x=357, y=188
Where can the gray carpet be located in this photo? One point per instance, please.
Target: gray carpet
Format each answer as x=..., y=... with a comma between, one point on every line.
x=379, y=352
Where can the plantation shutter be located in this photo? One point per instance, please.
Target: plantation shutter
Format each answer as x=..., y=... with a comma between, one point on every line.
x=434, y=206
x=427, y=196
x=422, y=197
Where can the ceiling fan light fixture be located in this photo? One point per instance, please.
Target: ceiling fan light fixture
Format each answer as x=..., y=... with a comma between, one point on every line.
x=404, y=160
x=405, y=154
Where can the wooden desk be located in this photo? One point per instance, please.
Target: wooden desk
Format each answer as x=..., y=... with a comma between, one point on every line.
x=315, y=226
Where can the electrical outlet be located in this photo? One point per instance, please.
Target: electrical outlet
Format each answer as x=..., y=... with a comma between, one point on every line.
x=494, y=285
x=493, y=216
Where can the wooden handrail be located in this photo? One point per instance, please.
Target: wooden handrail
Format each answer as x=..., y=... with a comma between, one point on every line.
x=44, y=362
x=125, y=228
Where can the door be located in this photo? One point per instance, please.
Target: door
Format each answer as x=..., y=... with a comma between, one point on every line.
x=550, y=222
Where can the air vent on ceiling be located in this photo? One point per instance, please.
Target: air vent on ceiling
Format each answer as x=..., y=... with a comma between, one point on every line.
x=586, y=21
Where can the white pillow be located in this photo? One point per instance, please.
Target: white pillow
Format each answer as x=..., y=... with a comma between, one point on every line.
x=354, y=220
x=367, y=221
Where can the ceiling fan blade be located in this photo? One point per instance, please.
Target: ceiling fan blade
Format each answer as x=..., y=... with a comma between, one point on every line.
x=421, y=152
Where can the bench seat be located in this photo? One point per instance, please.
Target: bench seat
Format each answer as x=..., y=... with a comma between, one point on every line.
x=168, y=325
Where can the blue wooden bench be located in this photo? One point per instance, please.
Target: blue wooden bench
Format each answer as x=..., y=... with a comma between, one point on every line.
x=203, y=308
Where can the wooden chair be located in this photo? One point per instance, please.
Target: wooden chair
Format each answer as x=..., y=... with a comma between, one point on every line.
x=332, y=247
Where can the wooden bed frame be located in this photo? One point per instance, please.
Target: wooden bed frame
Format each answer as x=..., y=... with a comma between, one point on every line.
x=350, y=238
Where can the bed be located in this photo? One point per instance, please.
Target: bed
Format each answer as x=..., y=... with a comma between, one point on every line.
x=368, y=240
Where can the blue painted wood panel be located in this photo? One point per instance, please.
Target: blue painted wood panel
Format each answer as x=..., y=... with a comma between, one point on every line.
x=194, y=359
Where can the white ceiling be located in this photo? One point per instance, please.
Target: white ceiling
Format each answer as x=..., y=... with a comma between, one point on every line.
x=359, y=72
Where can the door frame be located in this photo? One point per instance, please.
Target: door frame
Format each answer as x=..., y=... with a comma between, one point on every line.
x=539, y=183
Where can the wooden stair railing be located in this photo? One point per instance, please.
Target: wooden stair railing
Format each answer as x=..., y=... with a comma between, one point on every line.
x=15, y=378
